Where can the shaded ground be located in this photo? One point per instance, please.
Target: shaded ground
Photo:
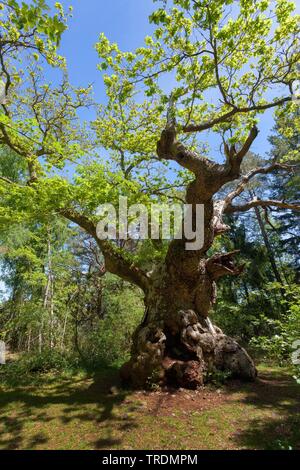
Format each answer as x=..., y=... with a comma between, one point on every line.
x=82, y=413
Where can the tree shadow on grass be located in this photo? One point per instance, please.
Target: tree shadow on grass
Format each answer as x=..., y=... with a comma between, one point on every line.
x=277, y=397
x=35, y=407
x=75, y=412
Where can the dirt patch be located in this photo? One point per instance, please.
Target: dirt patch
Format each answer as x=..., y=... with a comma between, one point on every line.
x=171, y=402
x=264, y=392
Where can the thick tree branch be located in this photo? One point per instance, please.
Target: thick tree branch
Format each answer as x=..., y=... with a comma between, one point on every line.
x=256, y=171
x=6, y=180
x=262, y=203
x=5, y=139
x=169, y=148
x=210, y=176
x=235, y=158
x=222, y=264
x=225, y=206
x=115, y=262
x=219, y=226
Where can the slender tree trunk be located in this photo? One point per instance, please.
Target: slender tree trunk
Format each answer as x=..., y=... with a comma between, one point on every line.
x=49, y=292
x=51, y=316
x=20, y=340
x=29, y=340
x=76, y=337
x=64, y=332
x=267, y=243
x=246, y=291
x=40, y=337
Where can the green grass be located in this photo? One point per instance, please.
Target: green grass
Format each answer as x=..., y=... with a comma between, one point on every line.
x=60, y=411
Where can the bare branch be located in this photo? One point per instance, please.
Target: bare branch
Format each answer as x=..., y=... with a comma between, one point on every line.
x=256, y=171
x=262, y=203
x=115, y=262
x=230, y=114
x=6, y=180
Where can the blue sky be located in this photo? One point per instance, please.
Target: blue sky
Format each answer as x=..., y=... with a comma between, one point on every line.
x=124, y=22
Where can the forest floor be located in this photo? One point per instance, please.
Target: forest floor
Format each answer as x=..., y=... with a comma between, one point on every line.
x=88, y=412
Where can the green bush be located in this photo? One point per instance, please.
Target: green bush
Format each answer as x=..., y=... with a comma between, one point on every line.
x=29, y=366
x=284, y=334
x=47, y=361
x=110, y=342
x=218, y=377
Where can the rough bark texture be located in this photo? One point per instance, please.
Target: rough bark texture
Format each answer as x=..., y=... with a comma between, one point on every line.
x=176, y=343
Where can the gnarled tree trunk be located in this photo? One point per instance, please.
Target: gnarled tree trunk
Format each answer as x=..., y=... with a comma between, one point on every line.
x=177, y=343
